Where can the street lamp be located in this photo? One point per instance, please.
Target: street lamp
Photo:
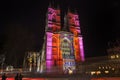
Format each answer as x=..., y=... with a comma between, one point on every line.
x=2, y=59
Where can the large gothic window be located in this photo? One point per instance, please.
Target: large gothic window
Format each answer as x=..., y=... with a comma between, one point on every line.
x=66, y=48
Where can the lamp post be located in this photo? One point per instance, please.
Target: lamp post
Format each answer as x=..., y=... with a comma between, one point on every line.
x=2, y=57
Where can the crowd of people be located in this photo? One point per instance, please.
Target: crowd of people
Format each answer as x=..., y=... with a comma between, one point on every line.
x=17, y=77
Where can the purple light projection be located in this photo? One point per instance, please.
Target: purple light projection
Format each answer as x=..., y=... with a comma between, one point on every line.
x=81, y=48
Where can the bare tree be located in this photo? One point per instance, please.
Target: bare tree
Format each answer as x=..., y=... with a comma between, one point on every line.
x=19, y=40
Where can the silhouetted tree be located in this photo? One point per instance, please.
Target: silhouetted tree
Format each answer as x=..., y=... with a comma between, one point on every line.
x=19, y=40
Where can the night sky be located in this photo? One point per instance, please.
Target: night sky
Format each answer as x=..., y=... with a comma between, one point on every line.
x=22, y=24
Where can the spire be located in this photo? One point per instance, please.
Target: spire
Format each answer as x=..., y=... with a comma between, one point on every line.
x=65, y=27
x=76, y=12
x=58, y=7
x=50, y=5
x=68, y=10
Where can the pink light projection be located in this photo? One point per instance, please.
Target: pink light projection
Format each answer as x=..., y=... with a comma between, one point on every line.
x=49, y=49
x=49, y=64
x=81, y=48
x=76, y=19
x=51, y=13
x=76, y=22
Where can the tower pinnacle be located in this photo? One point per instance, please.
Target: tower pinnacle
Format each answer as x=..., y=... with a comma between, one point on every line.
x=66, y=25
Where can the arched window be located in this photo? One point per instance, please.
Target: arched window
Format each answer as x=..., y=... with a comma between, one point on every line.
x=66, y=48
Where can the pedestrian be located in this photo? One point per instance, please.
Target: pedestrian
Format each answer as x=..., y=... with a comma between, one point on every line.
x=20, y=76
x=4, y=77
x=17, y=77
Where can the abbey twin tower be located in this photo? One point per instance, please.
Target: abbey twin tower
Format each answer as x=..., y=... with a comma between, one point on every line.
x=63, y=45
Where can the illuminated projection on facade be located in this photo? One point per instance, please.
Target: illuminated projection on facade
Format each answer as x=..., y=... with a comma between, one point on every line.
x=63, y=45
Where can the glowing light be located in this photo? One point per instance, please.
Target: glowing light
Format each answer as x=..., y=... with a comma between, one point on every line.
x=70, y=71
x=92, y=72
x=109, y=67
x=49, y=49
x=113, y=69
x=52, y=13
x=98, y=72
x=117, y=56
x=106, y=67
x=113, y=56
x=81, y=48
x=53, y=16
x=106, y=72
x=103, y=67
x=99, y=67
x=74, y=20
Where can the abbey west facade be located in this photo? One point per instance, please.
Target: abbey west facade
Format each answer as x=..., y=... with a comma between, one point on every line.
x=63, y=45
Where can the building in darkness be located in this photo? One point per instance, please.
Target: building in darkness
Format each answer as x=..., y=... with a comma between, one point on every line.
x=103, y=65
x=114, y=52
x=63, y=45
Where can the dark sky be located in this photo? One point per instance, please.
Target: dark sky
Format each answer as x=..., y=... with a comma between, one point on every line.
x=22, y=24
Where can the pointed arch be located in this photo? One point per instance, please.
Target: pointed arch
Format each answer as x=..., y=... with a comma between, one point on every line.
x=65, y=47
